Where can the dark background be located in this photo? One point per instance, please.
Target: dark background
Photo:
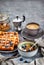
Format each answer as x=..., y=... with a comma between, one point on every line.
x=32, y=9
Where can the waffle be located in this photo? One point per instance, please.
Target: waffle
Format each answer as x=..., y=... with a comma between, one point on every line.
x=8, y=40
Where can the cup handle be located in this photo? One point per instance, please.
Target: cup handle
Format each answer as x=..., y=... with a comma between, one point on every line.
x=23, y=18
x=17, y=17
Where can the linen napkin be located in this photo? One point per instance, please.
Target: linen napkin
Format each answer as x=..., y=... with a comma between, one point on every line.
x=40, y=41
x=39, y=61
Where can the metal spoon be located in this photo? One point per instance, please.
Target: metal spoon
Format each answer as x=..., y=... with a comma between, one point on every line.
x=33, y=45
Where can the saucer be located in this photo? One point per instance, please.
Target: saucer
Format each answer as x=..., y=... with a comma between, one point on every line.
x=29, y=37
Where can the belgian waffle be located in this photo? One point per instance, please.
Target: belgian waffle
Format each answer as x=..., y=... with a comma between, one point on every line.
x=8, y=40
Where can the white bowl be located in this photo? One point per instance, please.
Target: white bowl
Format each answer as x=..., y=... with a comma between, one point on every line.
x=25, y=53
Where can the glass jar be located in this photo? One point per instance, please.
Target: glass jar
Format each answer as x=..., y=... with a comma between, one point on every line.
x=4, y=22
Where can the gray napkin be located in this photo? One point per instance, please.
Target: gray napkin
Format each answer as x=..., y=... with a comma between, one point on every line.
x=40, y=41
x=39, y=61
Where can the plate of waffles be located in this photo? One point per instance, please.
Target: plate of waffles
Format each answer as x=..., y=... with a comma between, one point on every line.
x=8, y=41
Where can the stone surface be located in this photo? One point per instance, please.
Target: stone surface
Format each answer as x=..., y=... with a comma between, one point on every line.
x=32, y=9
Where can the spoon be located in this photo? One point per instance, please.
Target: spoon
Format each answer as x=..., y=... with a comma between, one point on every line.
x=33, y=45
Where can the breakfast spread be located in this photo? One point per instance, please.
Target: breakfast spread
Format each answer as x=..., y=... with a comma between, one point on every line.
x=32, y=26
x=8, y=40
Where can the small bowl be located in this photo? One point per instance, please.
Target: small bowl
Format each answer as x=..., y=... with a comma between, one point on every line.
x=32, y=28
x=27, y=53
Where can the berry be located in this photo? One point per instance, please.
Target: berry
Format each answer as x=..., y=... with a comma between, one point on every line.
x=24, y=46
